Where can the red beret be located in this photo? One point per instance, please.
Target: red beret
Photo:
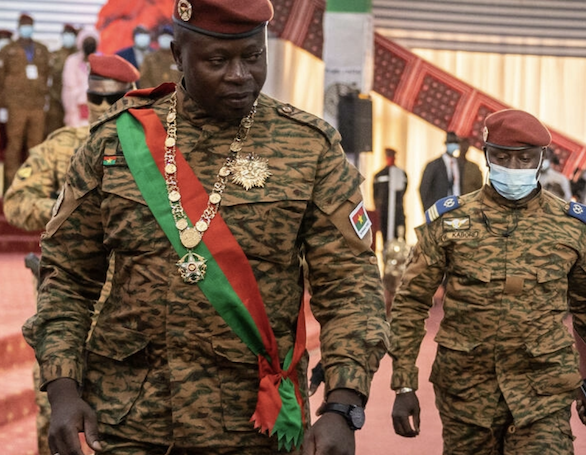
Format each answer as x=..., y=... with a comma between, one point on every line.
x=26, y=19
x=223, y=18
x=512, y=129
x=5, y=33
x=112, y=67
x=68, y=28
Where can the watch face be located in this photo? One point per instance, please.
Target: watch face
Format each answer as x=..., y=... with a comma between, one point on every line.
x=357, y=416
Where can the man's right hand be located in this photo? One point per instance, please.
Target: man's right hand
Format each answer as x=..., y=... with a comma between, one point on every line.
x=406, y=405
x=70, y=415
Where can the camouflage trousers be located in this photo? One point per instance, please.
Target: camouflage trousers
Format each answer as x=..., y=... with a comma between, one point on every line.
x=117, y=446
x=551, y=435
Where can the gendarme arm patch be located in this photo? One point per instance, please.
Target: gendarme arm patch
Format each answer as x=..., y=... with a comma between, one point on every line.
x=442, y=206
x=359, y=220
x=577, y=211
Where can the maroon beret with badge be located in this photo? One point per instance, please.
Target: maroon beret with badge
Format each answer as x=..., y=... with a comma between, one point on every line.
x=112, y=67
x=4, y=33
x=230, y=19
x=513, y=129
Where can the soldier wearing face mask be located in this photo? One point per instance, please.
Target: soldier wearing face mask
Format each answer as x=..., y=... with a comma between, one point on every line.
x=514, y=260
x=159, y=66
x=24, y=71
x=441, y=177
x=55, y=114
x=29, y=200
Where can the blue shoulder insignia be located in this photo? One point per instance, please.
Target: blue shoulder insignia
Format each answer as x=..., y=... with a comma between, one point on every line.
x=577, y=211
x=442, y=206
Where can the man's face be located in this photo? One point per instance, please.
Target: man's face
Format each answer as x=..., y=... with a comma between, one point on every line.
x=224, y=76
x=518, y=159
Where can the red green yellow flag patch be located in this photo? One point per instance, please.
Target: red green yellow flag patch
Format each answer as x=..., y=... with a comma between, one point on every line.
x=360, y=221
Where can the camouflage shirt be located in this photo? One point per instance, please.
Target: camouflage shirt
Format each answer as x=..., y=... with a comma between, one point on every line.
x=511, y=272
x=29, y=200
x=161, y=365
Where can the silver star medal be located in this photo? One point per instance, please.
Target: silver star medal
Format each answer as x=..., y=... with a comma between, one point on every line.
x=192, y=267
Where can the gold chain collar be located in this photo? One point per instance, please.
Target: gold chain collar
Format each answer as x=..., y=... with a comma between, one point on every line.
x=246, y=170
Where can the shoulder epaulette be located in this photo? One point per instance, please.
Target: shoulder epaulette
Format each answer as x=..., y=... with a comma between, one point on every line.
x=444, y=205
x=577, y=210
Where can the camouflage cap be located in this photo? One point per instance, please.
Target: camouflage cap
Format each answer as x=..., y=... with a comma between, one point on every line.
x=110, y=74
x=223, y=18
x=512, y=129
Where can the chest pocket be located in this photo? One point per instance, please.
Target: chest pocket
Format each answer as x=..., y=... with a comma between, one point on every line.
x=266, y=223
x=128, y=222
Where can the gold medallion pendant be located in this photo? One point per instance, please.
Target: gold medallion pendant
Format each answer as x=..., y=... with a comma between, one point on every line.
x=192, y=267
x=250, y=171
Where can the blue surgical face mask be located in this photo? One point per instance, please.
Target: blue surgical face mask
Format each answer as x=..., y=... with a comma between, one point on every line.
x=25, y=31
x=68, y=40
x=452, y=147
x=142, y=40
x=165, y=41
x=512, y=184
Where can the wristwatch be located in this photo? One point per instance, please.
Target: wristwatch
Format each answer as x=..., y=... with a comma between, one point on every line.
x=403, y=390
x=353, y=414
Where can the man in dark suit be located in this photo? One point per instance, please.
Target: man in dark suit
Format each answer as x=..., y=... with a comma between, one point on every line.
x=441, y=177
x=141, y=46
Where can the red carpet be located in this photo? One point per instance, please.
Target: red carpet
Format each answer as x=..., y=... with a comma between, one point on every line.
x=17, y=426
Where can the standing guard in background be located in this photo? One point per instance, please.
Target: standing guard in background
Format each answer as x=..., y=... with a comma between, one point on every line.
x=24, y=72
x=160, y=66
x=389, y=188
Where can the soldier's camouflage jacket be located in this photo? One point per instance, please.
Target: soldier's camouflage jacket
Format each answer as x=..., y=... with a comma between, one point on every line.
x=161, y=365
x=29, y=201
x=511, y=273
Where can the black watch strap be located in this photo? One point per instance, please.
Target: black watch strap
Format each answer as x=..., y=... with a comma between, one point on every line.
x=353, y=414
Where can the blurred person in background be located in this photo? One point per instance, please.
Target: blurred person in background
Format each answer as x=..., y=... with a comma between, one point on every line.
x=553, y=181
x=75, y=78
x=159, y=66
x=24, y=72
x=29, y=202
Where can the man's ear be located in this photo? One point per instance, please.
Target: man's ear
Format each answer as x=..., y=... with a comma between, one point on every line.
x=176, y=55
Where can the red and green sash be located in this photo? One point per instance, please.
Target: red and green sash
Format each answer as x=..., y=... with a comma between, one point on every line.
x=229, y=284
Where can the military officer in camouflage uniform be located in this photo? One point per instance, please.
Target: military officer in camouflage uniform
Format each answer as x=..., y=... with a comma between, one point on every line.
x=29, y=201
x=24, y=71
x=160, y=66
x=506, y=369
x=210, y=194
